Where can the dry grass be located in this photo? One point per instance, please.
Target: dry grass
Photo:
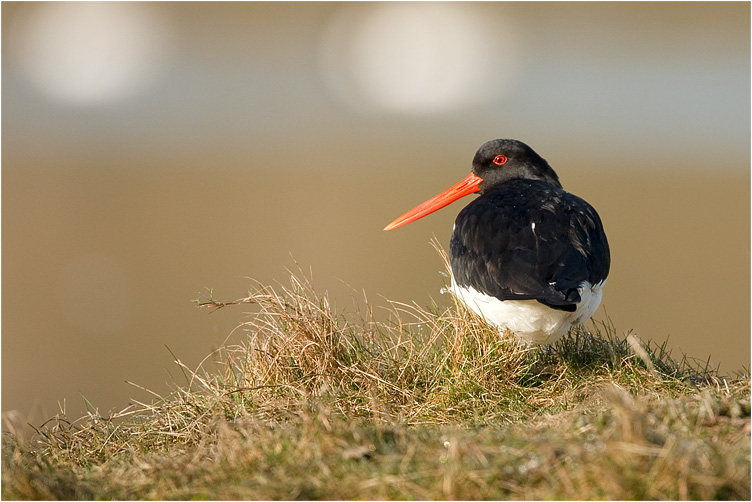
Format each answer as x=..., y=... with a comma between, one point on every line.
x=429, y=403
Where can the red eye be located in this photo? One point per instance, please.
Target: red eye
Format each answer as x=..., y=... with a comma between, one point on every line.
x=499, y=160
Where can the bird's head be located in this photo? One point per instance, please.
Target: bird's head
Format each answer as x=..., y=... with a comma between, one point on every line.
x=501, y=160
x=497, y=161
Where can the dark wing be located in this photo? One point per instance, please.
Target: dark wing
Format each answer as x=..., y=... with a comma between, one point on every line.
x=528, y=240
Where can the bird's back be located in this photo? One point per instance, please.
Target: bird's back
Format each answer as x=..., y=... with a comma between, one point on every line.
x=526, y=239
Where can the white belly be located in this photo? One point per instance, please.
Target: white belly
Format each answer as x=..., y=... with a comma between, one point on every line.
x=529, y=320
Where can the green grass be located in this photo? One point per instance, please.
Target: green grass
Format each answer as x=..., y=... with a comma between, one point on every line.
x=321, y=403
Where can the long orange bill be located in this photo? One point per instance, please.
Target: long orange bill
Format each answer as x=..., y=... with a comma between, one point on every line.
x=465, y=187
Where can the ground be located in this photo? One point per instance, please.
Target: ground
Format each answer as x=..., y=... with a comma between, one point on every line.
x=430, y=403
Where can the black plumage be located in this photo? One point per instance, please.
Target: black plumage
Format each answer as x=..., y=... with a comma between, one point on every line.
x=525, y=237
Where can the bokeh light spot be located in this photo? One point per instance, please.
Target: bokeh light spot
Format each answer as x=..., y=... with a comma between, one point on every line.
x=417, y=58
x=89, y=52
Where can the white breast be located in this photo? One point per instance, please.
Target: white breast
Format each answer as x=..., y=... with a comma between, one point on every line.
x=529, y=320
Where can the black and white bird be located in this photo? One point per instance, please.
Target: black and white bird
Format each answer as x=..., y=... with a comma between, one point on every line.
x=526, y=255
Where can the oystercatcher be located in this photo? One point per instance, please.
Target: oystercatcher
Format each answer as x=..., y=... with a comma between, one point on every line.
x=526, y=255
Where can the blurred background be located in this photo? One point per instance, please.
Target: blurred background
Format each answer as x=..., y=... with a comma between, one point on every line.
x=153, y=150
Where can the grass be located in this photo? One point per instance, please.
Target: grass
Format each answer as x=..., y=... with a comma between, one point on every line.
x=319, y=403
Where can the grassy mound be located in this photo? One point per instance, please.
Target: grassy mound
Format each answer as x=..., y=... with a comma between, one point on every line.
x=430, y=404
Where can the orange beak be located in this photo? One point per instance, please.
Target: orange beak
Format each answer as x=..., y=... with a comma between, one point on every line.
x=465, y=187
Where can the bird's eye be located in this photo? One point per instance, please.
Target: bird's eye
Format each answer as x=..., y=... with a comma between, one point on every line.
x=499, y=160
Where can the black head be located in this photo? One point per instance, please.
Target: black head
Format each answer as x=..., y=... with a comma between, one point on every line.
x=501, y=160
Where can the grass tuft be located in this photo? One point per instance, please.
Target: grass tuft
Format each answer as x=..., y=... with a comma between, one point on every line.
x=321, y=403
